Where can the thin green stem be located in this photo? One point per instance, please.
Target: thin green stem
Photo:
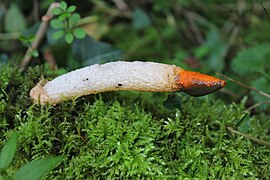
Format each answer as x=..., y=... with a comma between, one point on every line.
x=67, y=23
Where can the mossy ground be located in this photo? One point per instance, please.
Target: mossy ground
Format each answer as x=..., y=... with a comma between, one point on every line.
x=131, y=134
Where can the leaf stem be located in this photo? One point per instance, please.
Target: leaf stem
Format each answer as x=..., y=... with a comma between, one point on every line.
x=39, y=35
x=67, y=23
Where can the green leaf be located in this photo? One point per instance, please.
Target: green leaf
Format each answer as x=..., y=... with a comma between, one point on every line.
x=201, y=52
x=64, y=16
x=140, y=19
x=27, y=39
x=51, y=36
x=56, y=11
x=8, y=151
x=79, y=33
x=37, y=168
x=69, y=37
x=23, y=39
x=57, y=24
x=73, y=19
x=31, y=37
x=71, y=9
x=58, y=34
x=173, y=101
x=3, y=59
x=263, y=85
x=14, y=19
x=88, y=51
x=63, y=5
x=34, y=53
x=213, y=50
x=31, y=31
x=244, y=124
x=251, y=60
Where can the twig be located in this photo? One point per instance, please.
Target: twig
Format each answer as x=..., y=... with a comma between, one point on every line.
x=193, y=27
x=259, y=141
x=258, y=104
x=266, y=12
x=39, y=35
x=88, y=20
x=233, y=37
x=112, y=12
x=49, y=57
x=121, y=5
x=230, y=93
x=246, y=86
x=82, y=138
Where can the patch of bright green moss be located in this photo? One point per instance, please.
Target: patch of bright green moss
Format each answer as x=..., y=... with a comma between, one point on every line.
x=130, y=134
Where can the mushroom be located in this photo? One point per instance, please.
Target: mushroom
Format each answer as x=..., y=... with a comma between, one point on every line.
x=120, y=75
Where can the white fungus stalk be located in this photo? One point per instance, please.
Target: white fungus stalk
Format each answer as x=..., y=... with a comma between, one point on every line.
x=114, y=76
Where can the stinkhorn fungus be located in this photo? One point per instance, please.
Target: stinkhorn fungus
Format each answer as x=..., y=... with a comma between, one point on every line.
x=115, y=76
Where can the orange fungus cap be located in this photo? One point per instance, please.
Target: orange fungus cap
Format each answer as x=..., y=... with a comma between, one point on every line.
x=197, y=84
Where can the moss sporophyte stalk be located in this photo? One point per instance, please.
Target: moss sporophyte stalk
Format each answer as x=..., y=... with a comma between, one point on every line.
x=115, y=76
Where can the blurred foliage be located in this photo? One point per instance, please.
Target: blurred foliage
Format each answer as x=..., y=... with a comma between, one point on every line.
x=12, y=25
x=188, y=138
x=253, y=65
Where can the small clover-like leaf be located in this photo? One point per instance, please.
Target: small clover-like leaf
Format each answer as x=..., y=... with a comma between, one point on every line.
x=73, y=19
x=63, y=5
x=69, y=37
x=56, y=11
x=57, y=24
x=64, y=16
x=71, y=9
x=23, y=39
x=27, y=39
x=79, y=33
x=31, y=37
x=58, y=34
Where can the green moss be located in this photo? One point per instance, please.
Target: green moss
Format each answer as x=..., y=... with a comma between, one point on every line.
x=130, y=134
